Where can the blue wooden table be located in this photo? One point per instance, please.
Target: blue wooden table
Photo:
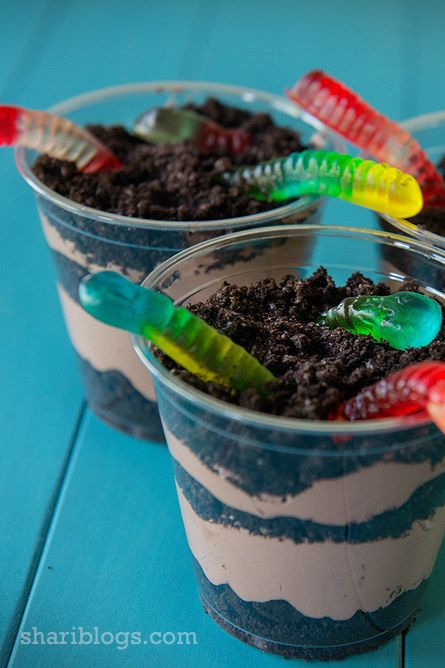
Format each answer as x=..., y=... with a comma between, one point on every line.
x=89, y=525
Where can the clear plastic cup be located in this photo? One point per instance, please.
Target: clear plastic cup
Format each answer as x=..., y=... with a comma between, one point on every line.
x=83, y=240
x=429, y=130
x=310, y=539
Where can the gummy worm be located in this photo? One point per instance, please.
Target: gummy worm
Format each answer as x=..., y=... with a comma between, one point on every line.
x=165, y=125
x=403, y=319
x=341, y=109
x=415, y=388
x=58, y=137
x=362, y=182
x=180, y=334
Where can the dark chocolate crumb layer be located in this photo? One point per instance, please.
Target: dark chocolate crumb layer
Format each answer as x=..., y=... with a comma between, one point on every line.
x=278, y=628
x=113, y=398
x=171, y=182
x=317, y=368
x=393, y=523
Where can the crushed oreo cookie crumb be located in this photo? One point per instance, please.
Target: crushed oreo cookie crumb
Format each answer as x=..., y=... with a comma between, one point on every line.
x=317, y=368
x=172, y=181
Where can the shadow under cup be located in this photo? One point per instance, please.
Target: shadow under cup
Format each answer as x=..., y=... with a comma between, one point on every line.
x=84, y=240
x=309, y=539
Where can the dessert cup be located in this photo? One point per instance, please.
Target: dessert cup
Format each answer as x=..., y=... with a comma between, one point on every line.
x=310, y=539
x=83, y=240
x=429, y=130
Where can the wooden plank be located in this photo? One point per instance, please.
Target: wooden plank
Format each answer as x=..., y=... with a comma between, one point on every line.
x=32, y=395
x=116, y=559
x=52, y=50
x=40, y=395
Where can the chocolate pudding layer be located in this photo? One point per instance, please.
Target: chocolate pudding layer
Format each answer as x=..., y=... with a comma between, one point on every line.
x=307, y=555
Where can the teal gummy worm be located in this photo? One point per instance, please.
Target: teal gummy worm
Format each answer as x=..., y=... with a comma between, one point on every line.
x=183, y=336
x=402, y=319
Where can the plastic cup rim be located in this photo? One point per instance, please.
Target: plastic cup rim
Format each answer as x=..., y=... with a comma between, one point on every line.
x=423, y=121
x=96, y=96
